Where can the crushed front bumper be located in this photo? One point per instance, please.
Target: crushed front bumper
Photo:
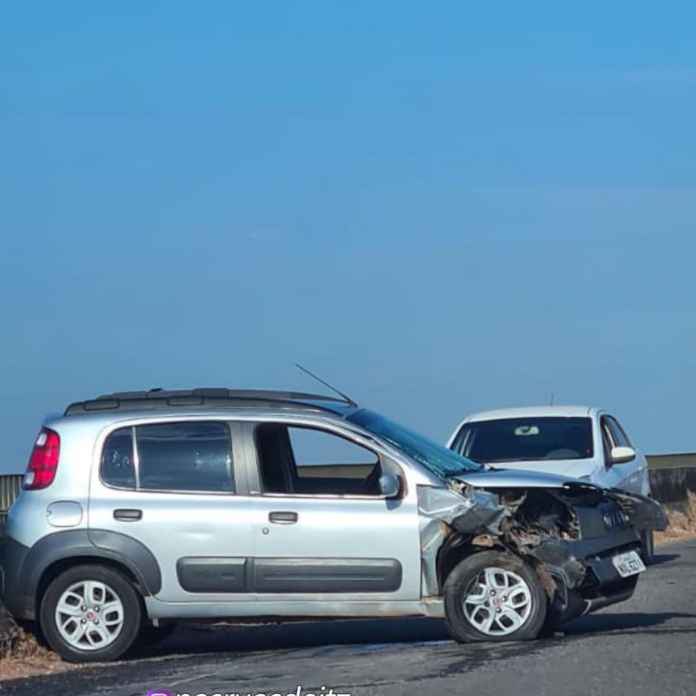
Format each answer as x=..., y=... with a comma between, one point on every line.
x=584, y=573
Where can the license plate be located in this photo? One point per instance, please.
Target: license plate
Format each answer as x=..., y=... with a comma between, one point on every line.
x=628, y=564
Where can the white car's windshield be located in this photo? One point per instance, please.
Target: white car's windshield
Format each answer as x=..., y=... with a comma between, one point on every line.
x=525, y=439
x=434, y=457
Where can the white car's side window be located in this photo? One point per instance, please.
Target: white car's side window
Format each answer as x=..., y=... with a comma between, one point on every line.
x=621, y=436
x=616, y=433
x=607, y=439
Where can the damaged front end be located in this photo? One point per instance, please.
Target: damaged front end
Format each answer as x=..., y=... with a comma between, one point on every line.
x=570, y=532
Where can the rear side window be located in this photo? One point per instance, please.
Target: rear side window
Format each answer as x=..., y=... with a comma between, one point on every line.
x=177, y=457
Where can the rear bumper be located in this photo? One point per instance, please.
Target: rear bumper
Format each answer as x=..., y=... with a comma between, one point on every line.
x=18, y=600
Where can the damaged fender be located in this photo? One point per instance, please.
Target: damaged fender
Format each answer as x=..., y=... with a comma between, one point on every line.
x=459, y=508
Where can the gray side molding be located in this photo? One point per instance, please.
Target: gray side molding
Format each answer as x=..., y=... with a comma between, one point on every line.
x=326, y=575
x=216, y=575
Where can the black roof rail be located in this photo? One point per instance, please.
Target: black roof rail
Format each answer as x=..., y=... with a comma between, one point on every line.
x=163, y=399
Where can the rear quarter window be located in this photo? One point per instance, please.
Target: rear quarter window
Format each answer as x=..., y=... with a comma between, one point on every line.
x=118, y=461
x=170, y=457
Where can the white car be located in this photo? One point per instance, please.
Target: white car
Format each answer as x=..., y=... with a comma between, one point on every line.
x=579, y=441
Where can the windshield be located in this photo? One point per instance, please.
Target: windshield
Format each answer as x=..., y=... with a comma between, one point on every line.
x=434, y=457
x=525, y=439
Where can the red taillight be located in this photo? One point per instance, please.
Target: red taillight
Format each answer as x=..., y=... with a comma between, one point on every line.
x=43, y=464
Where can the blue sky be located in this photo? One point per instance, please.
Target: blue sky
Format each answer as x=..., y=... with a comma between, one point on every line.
x=442, y=207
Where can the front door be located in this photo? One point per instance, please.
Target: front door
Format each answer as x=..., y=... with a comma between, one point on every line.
x=322, y=530
x=171, y=486
x=627, y=476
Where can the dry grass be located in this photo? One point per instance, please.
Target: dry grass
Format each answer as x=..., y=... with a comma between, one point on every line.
x=682, y=522
x=23, y=656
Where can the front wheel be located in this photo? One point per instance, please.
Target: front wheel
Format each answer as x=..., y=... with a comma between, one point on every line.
x=494, y=596
x=648, y=550
x=90, y=613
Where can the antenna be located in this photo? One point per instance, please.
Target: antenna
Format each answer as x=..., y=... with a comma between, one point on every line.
x=346, y=398
x=551, y=404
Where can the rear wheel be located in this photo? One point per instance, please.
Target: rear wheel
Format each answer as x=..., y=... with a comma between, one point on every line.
x=494, y=596
x=90, y=613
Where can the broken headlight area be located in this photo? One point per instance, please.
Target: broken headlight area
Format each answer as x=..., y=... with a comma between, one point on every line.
x=642, y=513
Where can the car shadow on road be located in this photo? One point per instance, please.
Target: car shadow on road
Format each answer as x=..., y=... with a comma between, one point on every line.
x=196, y=639
x=662, y=558
x=199, y=639
x=623, y=622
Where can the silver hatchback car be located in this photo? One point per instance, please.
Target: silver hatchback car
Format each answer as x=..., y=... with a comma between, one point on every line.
x=143, y=509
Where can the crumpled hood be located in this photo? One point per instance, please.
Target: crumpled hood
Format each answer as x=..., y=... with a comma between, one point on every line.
x=642, y=513
x=574, y=468
x=508, y=478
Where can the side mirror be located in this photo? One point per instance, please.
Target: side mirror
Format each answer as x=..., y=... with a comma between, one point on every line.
x=621, y=455
x=389, y=485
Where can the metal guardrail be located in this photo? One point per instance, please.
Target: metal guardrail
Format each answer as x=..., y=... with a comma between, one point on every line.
x=9, y=490
x=671, y=461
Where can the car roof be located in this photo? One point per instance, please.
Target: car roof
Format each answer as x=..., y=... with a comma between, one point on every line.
x=535, y=412
x=207, y=400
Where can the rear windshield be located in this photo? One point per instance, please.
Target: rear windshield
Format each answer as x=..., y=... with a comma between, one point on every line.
x=525, y=439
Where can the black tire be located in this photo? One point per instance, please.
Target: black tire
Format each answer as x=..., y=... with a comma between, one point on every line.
x=150, y=636
x=460, y=581
x=119, y=585
x=648, y=551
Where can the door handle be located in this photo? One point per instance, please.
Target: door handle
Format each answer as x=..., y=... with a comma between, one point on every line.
x=283, y=517
x=128, y=515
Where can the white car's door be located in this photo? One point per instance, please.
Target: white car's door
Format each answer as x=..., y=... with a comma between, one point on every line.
x=322, y=531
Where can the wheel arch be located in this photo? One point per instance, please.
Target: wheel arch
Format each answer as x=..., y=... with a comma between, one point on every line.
x=57, y=552
x=457, y=547
x=460, y=546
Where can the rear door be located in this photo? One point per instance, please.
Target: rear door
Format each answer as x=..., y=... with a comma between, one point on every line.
x=322, y=531
x=174, y=487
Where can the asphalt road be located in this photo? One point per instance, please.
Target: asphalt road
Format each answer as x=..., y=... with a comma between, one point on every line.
x=646, y=646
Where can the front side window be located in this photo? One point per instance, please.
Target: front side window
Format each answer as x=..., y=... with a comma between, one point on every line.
x=607, y=441
x=308, y=461
x=526, y=439
x=617, y=433
x=187, y=457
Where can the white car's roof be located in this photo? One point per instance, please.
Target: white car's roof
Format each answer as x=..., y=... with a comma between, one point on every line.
x=534, y=412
